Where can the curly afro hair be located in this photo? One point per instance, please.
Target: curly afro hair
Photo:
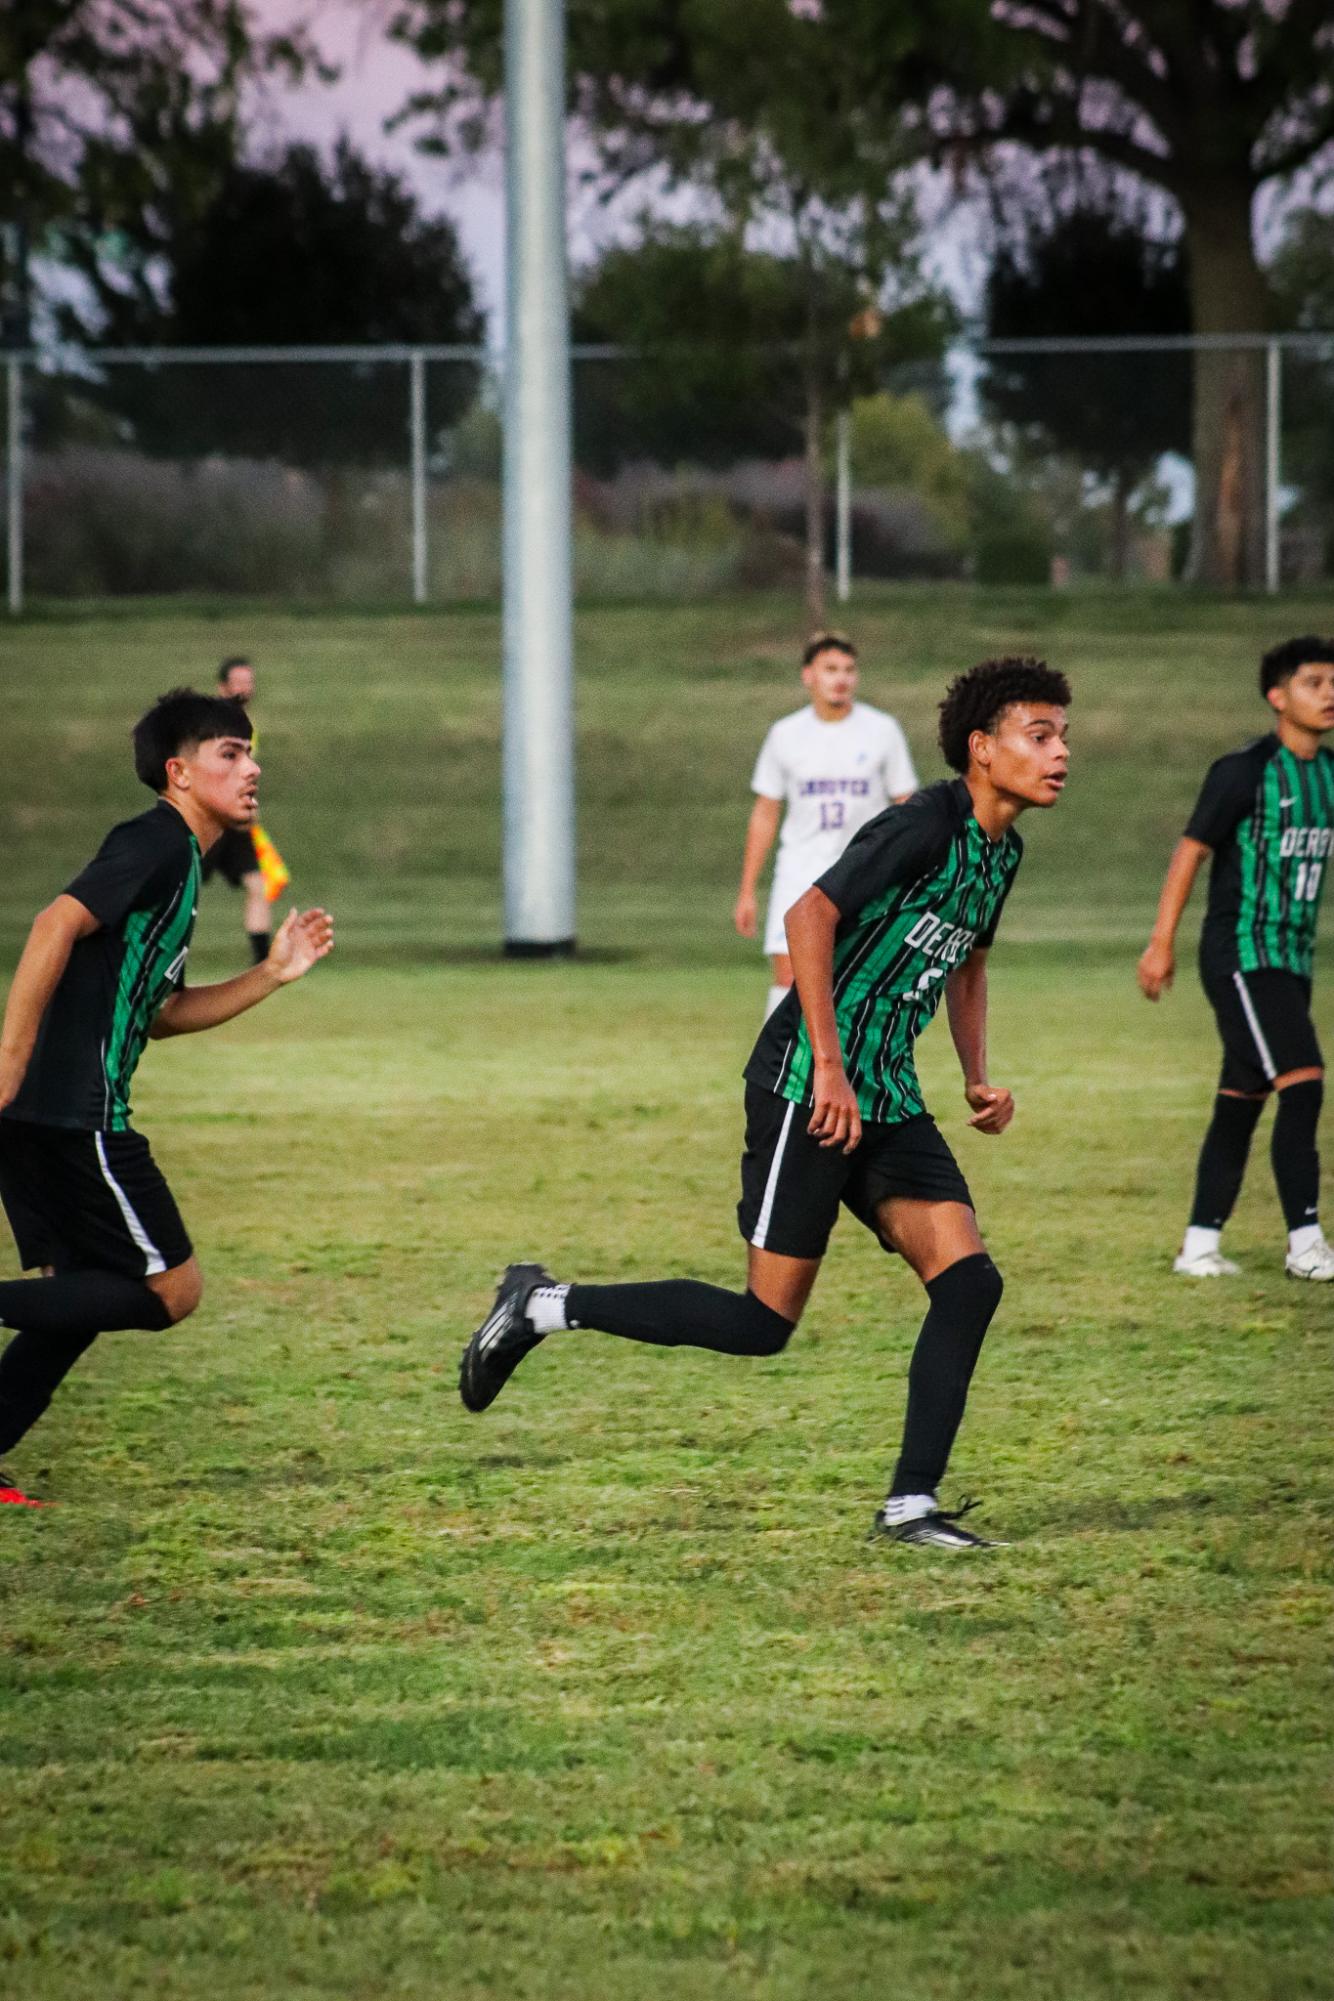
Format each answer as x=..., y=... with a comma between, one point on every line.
x=1281, y=662
x=974, y=700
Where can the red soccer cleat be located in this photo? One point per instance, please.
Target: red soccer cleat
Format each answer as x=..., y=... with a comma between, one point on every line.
x=13, y=1497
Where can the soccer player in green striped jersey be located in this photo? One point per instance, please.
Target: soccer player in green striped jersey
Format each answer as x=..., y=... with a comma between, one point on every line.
x=834, y=1111
x=102, y=971
x=1266, y=817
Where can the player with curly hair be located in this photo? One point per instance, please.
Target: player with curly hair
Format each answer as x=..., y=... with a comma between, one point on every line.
x=834, y=1111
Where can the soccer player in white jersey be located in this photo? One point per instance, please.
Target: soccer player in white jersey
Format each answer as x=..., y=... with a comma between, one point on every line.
x=833, y=766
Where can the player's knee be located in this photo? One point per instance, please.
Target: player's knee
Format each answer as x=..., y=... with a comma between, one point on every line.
x=986, y=1283
x=763, y=1331
x=973, y=1283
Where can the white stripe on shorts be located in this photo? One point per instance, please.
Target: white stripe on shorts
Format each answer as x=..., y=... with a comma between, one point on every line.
x=771, y=1185
x=153, y=1258
x=1253, y=1021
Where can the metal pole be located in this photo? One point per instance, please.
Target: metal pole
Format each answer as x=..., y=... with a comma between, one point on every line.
x=14, y=483
x=843, y=509
x=538, y=743
x=417, y=426
x=1273, y=461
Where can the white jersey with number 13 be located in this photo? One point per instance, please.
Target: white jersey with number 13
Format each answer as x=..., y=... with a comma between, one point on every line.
x=833, y=778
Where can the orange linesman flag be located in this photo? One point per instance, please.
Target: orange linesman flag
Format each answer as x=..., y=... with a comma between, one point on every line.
x=270, y=865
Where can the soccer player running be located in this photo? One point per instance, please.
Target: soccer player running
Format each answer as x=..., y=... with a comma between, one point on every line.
x=824, y=772
x=1266, y=816
x=234, y=855
x=102, y=971
x=834, y=1112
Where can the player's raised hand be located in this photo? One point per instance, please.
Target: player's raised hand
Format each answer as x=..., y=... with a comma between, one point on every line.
x=992, y=1107
x=1155, y=970
x=836, y=1118
x=746, y=914
x=302, y=939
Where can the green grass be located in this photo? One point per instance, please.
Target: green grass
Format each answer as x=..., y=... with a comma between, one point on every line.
x=314, y=1686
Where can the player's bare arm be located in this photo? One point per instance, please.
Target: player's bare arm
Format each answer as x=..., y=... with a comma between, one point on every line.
x=54, y=934
x=761, y=833
x=1157, y=965
x=992, y=1105
x=811, y=923
x=303, y=939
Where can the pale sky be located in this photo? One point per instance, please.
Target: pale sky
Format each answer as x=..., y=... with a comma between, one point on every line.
x=377, y=75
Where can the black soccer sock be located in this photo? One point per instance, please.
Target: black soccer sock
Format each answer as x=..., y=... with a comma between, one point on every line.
x=1223, y=1160
x=1293, y=1152
x=259, y=946
x=32, y=1369
x=681, y=1313
x=963, y=1299
x=81, y=1302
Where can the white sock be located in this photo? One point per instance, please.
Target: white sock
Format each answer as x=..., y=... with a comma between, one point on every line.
x=1199, y=1242
x=900, y=1508
x=775, y=998
x=545, y=1311
x=1304, y=1239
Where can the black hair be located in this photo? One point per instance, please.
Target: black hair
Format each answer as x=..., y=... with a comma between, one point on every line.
x=1281, y=662
x=827, y=642
x=181, y=720
x=975, y=700
x=233, y=660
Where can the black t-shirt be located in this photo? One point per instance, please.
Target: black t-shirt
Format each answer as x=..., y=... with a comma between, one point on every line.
x=143, y=888
x=1268, y=815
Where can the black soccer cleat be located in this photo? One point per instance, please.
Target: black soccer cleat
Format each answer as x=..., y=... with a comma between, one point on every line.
x=503, y=1339
x=939, y=1529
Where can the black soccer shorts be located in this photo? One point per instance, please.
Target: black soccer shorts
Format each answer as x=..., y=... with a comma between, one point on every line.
x=88, y=1201
x=1265, y=1021
x=792, y=1187
x=232, y=856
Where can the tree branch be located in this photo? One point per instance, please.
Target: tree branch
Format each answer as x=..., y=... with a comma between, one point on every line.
x=1297, y=152
x=1088, y=39
x=1044, y=124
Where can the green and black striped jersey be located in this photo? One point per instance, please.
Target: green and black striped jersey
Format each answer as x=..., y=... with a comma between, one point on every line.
x=917, y=889
x=142, y=887
x=1268, y=815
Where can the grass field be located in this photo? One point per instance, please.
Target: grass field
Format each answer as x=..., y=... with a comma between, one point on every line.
x=315, y=1686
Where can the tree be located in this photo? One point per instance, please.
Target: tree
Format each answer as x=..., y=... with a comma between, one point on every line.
x=733, y=353
x=1091, y=270
x=1206, y=99
x=282, y=254
x=116, y=116
x=1209, y=100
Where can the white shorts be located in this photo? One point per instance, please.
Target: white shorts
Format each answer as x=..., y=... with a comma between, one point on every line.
x=789, y=883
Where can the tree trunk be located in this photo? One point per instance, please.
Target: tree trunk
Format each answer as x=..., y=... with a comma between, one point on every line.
x=816, y=607
x=1228, y=295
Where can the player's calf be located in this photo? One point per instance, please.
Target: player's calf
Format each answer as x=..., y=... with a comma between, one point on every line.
x=964, y=1298
x=665, y=1313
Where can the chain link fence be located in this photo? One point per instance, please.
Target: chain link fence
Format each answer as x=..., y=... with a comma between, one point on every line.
x=373, y=474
